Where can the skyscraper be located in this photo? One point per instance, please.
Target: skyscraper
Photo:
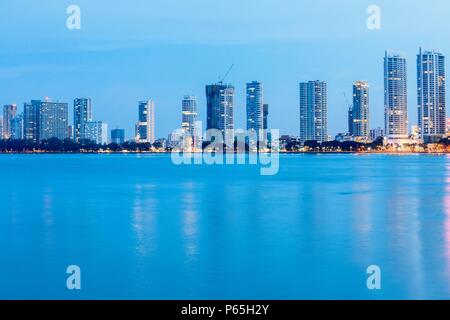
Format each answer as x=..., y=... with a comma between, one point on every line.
x=255, y=103
x=31, y=120
x=118, y=136
x=189, y=115
x=53, y=120
x=360, y=111
x=265, y=116
x=431, y=95
x=395, y=97
x=17, y=127
x=145, y=128
x=313, y=111
x=219, y=107
x=9, y=112
x=82, y=113
x=350, y=120
x=70, y=132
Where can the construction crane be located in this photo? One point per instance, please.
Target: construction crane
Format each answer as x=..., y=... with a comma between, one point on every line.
x=350, y=113
x=222, y=79
x=349, y=105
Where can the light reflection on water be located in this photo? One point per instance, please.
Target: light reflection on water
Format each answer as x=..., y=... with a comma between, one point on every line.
x=446, y=201
x=140, y=227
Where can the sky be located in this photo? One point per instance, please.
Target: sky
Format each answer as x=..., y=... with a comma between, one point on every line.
x=133, y=50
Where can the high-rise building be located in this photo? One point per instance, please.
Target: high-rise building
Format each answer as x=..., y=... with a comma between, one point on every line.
x=219, y=107
x=9, y=112
x=395, y=97
x=82, y=113
x=360, y=110
x=96, y=131
x=189, y=115
x=350, y=120
x=17, y=127
x=70, y=132
x=265, y=116
x=255, y=112
x=31, y=120
x=313, y=111
x=53, y=120
x=431, y=95
x=145, y=128
x=1, y=128
x=118, y=136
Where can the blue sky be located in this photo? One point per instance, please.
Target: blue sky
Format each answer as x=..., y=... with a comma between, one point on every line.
x=132, y=50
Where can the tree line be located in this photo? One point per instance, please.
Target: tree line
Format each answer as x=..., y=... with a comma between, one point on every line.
x=70, y=146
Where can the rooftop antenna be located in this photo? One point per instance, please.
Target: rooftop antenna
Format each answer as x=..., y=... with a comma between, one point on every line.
x=221, y=80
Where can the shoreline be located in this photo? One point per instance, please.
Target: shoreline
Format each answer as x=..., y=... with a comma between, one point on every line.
x=281, y=152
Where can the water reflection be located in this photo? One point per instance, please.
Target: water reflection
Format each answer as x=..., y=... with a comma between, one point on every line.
x=48, y=207
x=404, y=226
x=189, y=210
x=226, y=232
x=144, y=219
x=48, y=217
x=447, y=218
x=363, y=220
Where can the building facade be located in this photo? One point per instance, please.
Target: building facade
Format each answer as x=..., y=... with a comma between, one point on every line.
x=31, y=120
x=313, y=111
x=96, y=131
x=53, y=120
x=219, y=107
x=255, y=106
x=265, y=116
x=9, y=112
x=431, y=95
x=118, y=136
x=145, y=128
x=360, y=111
x=395, y=97
x=17, y=127
x=82, y=113
x=350, y=120
x=189, y=118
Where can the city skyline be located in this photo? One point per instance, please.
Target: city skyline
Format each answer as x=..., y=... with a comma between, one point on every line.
x=220, y=97
x=280, y=48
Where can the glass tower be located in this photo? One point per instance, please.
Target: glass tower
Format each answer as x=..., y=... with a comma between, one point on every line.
x=31, y=120
x=82, y=113
x=265, y=116
x=145, y=128
x=118, y=136
x=220, y=107
x=313, y=111
x=9, y=112
x=360, y=110
x=255, y=110
x=431, y=95
x=395, y=97
x=189, y=117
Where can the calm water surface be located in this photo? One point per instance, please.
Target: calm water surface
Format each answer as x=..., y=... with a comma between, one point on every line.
x=142, y=228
